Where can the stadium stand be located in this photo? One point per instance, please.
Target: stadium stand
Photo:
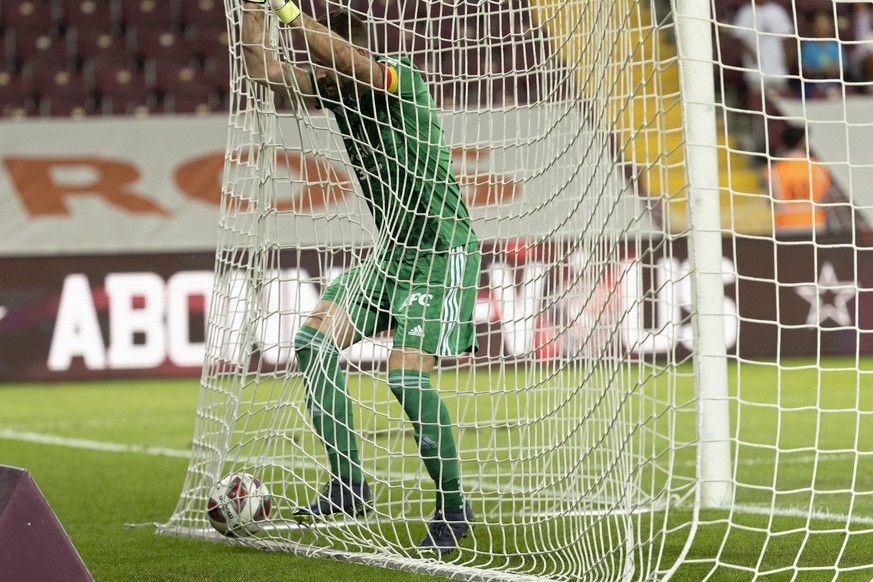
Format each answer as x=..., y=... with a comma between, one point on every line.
x=202, y=15
x=87, y=15
x=151, y=14
x=114, y=50
x=728, y=47
x=29, y=17
x=16, y=96
x=124, y=90
x=113, y=54
x=66, y=94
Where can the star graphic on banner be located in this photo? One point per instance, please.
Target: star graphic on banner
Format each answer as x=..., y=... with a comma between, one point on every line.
x=828, y=298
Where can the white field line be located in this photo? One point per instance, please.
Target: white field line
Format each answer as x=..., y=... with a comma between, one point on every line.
x=109, y=447
x=815, y=514
x=93, y=423
x=48, y=439
x=788, y=458
x=88, y=444
x=103, y=446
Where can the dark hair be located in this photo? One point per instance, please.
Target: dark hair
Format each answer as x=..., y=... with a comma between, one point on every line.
x=793, y=135
x=348, y=25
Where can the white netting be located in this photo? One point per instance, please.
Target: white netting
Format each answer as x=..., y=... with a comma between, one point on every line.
x=564, y=437
x=583, y=450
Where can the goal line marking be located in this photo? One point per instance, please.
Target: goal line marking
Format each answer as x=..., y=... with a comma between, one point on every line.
x=110, y=447
x=415, y=565
x=88, y=444
x=790, y=458
x=798, y=512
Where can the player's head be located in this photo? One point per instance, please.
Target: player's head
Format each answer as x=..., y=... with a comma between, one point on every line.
x=346, y=24
x=349, y=26
x=793, y=137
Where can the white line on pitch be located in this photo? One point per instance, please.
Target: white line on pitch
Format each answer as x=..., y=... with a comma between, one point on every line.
x=48, y=439
x=815, y=514
x=77, y=443
x=104, y=446
x=484, y=483
x=788, y=458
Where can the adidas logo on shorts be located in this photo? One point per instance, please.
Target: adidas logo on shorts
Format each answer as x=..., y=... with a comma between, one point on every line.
x=416, y=331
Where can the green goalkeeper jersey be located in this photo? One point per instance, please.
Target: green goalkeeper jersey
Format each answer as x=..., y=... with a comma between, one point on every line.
x=399, y=154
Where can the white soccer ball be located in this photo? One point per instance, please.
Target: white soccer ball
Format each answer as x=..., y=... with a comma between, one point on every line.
x=238, y=504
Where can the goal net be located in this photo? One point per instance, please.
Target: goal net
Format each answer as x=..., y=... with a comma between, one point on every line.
x=632, y=412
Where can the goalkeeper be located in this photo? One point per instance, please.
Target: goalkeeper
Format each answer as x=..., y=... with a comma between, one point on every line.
x=421, y=278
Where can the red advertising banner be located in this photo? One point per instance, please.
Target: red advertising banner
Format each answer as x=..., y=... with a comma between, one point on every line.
x=92, y=193
x=145, y=315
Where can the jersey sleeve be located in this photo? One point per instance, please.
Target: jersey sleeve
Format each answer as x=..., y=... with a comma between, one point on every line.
x=400, y=76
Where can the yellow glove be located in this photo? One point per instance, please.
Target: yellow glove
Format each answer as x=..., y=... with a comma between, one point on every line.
x=286, y=10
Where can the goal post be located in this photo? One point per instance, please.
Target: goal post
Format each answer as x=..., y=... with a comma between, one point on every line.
x=693, y=36
x=657, y=392
x=564, y=428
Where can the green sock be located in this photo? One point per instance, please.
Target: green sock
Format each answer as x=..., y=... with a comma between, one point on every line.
x=432, y=429
x=328, y=401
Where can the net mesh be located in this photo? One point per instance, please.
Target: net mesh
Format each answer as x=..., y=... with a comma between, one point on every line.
x=564, y=439
x=577, y=420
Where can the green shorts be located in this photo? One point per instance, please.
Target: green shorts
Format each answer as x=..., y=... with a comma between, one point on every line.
x=426, y=298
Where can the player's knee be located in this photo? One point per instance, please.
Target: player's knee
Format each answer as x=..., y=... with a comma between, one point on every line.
x=302, y=340
x=396, y=387
x=411, y=359
x=310, y=344
x=308, y=338
x=410, y=392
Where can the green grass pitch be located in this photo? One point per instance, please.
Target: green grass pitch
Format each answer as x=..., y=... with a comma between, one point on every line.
x=109, y=454
x=95, y=493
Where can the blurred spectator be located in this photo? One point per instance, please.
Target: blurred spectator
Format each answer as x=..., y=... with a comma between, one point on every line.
x=798, y=185
x=766, y=32
x=863, y=54
x=822, y=57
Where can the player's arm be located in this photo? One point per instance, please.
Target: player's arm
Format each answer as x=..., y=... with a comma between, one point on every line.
x=261, y=65
x=331, y=50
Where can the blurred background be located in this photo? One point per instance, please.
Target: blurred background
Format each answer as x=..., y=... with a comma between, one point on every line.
x=114, y=121
x=85, y=58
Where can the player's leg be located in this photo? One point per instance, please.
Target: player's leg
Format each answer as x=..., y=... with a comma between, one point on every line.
x=330, y=328
x=317, y=344
x=434, y=317
x=409, y=378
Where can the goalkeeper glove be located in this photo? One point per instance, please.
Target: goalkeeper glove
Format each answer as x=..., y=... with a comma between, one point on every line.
x=286, y=10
